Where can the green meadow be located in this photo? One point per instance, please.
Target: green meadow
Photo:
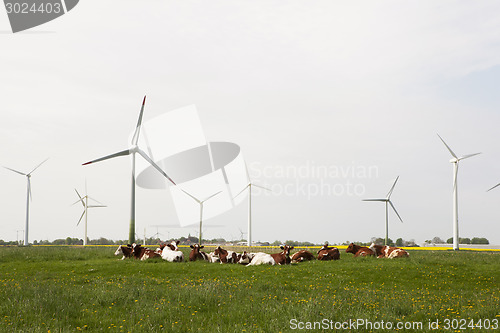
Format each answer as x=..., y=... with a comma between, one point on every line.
x=71, y=289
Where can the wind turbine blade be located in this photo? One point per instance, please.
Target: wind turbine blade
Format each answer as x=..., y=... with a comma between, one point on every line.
x=494, y=187
x=451, y=151
x=19, y=172
x=262, y=187
x=135, y=138
x=81, y=199
x=382, y=200
x=213, y=195
x=122, y=153
x=81, y=217
x=100, y=203
x=395, y=211
x=196, y=199
x=244, y=188
x=467, y=156
x=38, y=166
x=96, y=206
x=146, y=157
x=392, y=188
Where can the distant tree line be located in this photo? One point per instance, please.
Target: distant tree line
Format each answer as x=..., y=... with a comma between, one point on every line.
x=475, y=240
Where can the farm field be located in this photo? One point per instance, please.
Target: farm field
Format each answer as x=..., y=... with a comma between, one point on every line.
x=71, y=289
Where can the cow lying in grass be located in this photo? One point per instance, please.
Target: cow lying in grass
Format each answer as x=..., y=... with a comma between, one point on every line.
x=125, y=250
x=359, y=251
x=281, y=258
x=328, y=253
x=245, y=258
x=385, y=251
x=170, y=252
x=301, y=255
x=196, y=254
x=143, y=253
x=226, y=256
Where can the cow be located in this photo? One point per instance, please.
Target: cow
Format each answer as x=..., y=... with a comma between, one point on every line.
x=359, y=251
x=170, y=252
x=261, y=258
x=281, y=258
x=196, y=254
x=328, y=253
x=245, y=258
x=300, y=256
x=385, y=251
x=125, y=251
x=225, y=256
x=212, y=257
x=143, y=253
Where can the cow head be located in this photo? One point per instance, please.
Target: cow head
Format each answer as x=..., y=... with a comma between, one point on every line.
x=220, y=251
x=351, y=248
x=173, y=245
x=286, y=249
x=244, y=258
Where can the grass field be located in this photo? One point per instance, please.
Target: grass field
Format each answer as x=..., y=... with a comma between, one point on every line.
x=68, y=289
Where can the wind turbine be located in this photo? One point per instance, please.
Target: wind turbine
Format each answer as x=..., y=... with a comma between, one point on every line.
x=85, y=202
x=388, y=202
x=28, y=197
x=455, y=161
x=132, y=150
x=249, y=186
x=200, y=202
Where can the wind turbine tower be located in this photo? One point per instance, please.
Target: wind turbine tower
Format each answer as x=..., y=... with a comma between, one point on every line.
x=132, y=150
x=455, y=160
x=388, y=202
x=28, y=198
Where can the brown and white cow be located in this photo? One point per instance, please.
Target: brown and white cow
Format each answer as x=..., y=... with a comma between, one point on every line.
x=196, y=254
x=385, y=251
x=245, y=258
x=328, y=253
x=359, y=251
x=300, y=256
x=125, y=251
x=143, y=253
x=225, y=256
x=283, y=258
x=170, y=252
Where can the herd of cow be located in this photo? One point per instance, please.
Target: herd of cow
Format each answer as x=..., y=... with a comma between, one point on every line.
x=171, y=253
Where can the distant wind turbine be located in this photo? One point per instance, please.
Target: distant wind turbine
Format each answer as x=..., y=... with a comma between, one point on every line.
x=388, y=201
x=132, y=150
x=28, y=198
x=85, y=202
x=200, y=202
x=455, y=160
x=249, y=186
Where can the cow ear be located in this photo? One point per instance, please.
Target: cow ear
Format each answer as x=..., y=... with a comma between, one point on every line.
x=177, y=242
x=191, y=246
x=202, y=246
x=281, y=247
x=292, y=248
x=128, y=245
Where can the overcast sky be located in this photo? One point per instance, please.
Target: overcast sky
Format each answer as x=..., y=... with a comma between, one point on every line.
x=359, y=89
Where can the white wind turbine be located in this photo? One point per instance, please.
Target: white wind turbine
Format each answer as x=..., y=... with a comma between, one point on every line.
x=132, y=150
x=387, y=201
x=249, y=186
x=200, y=202
x=28, y=198
x=85, y=202
x=455, y=161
